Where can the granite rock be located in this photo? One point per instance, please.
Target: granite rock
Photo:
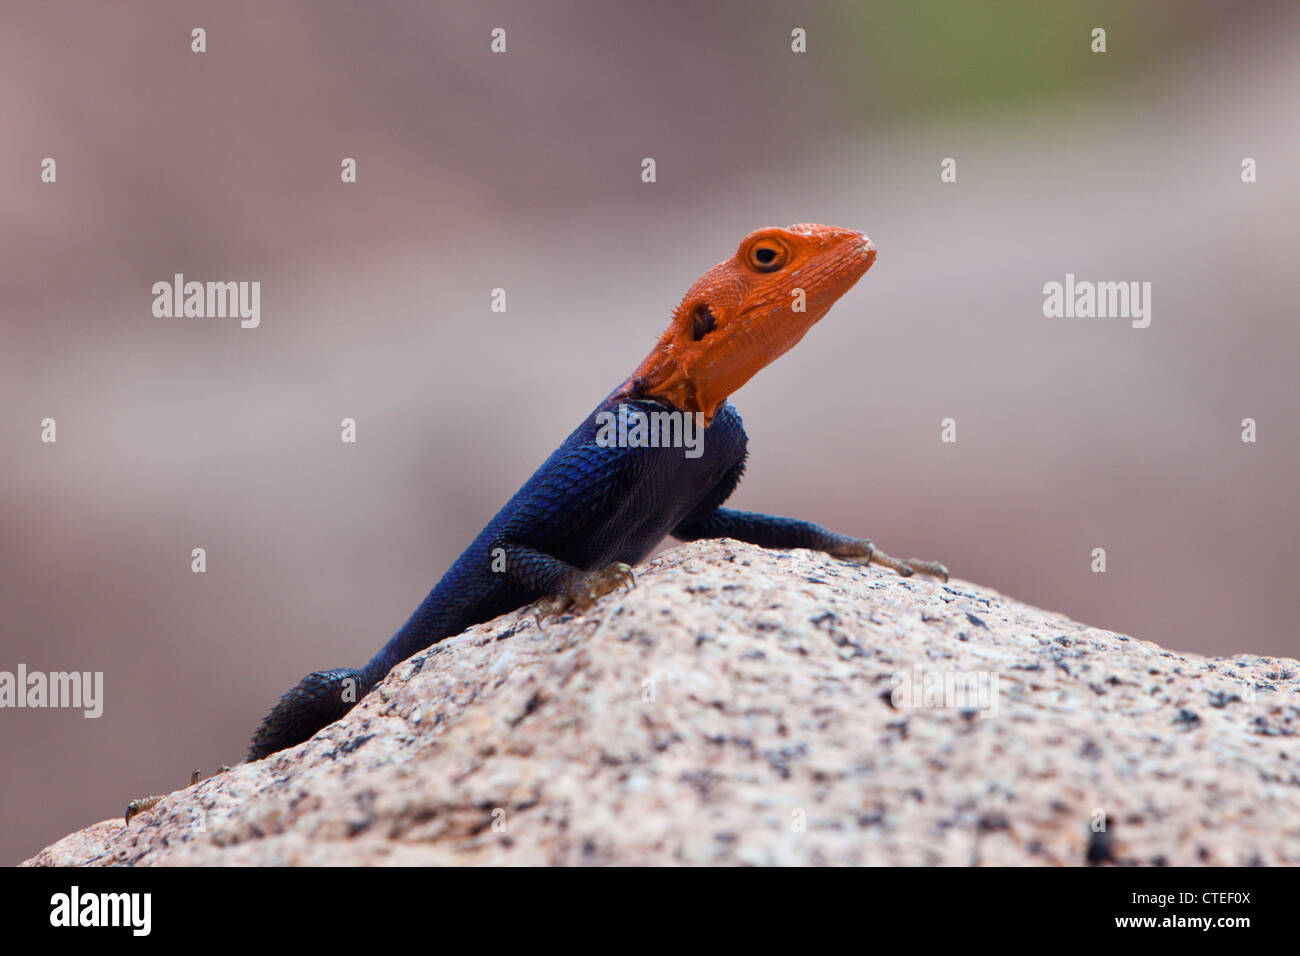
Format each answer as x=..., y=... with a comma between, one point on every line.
x=743, y=706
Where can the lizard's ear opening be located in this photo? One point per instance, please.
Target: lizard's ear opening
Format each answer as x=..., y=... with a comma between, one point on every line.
x=702, y=322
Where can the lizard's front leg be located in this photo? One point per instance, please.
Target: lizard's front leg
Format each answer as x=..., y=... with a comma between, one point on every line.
x=772, y=531
x=564, y=585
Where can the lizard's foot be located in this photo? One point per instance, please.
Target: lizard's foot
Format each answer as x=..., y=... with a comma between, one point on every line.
x=864, y=552
x=932, y=568
x=136, y=807
x=584, y=589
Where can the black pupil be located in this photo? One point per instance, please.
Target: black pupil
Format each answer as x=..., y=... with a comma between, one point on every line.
x=765, y=256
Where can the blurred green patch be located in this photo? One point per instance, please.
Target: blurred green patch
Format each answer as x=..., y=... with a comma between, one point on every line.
x=944, y=52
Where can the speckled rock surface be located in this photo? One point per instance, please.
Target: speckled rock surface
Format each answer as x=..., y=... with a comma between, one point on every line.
x=742, y=706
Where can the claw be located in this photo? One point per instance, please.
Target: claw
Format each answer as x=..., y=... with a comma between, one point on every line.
x=624, y=575
x=894, y=564
x=548, y=607
x=136, y=807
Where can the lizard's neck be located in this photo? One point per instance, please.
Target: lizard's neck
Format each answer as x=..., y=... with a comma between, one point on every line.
x=664, y=376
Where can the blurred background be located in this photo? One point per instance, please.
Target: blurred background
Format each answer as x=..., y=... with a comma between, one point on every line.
x=522, y=171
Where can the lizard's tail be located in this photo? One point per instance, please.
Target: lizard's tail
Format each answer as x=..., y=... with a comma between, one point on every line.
x=318, y=700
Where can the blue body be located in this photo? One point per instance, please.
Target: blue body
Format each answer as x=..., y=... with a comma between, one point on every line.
x=587, y=505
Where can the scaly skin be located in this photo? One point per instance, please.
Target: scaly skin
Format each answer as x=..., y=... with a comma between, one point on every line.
x=592, y=510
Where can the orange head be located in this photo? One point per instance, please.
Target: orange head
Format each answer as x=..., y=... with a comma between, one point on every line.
x=748, y=311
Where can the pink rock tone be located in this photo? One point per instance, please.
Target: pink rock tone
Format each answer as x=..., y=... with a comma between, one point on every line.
x=742, y=706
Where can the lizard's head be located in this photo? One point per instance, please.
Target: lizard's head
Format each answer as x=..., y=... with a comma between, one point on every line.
x=748, y=311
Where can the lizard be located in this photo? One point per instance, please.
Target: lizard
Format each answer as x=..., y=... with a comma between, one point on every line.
x=595, y=506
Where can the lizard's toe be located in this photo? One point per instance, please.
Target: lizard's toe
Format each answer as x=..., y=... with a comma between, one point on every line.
x=136, y=807
x=862, y=551
x=932, y=568
x=548, y=607
x=856, y=551
x=623, y=575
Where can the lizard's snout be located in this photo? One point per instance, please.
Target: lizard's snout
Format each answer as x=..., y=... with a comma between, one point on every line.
x=869, y=248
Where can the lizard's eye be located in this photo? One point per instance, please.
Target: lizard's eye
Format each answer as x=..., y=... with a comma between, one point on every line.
x=766, y=256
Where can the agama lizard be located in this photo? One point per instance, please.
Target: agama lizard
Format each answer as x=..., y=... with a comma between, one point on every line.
x=594, y=508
